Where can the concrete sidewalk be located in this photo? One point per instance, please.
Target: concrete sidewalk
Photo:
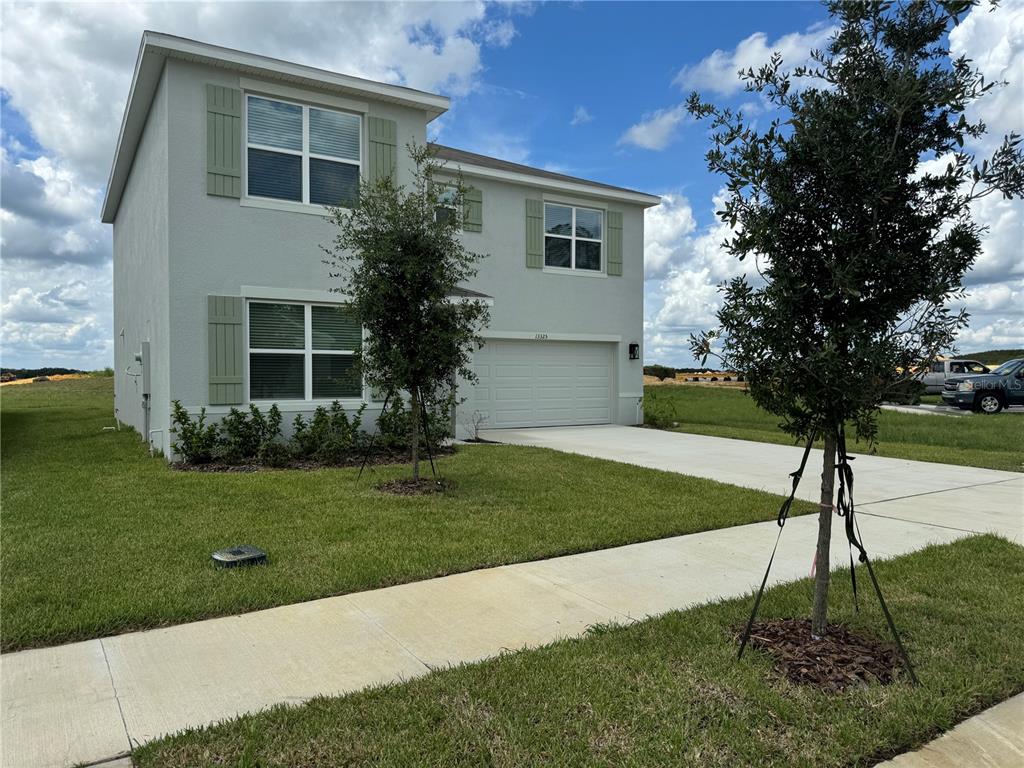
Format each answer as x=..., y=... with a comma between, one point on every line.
x=991, y=739
x=93, y=700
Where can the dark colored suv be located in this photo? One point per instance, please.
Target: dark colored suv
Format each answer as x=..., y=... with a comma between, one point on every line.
x=989, y=392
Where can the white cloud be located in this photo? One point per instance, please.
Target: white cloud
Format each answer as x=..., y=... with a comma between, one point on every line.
x=994, y=42
x=655, y=130
x=717, y=73
x=500, y=33
x=581, y=116
x=666, y=227
x=66, y=69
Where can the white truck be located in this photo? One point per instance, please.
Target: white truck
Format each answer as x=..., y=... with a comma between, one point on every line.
x=934, y=378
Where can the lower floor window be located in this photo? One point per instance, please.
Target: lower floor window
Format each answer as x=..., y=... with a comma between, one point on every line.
x=302, y=351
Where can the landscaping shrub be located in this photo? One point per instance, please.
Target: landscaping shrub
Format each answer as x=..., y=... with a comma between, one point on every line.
x=394, y=425
x=245, y=437
x=660, y=414
x=330, y=436
x=194, y=440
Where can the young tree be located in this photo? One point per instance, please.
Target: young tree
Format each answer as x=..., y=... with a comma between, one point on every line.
x=400, y=259
x=855, y=206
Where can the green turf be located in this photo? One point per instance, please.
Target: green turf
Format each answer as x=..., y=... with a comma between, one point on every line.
x=976, y=440
x=669, y=691
x=98, y=538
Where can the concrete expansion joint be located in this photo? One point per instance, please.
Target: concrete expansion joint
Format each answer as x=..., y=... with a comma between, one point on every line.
x=400, y=644
x=117, y=700
x=940, y=490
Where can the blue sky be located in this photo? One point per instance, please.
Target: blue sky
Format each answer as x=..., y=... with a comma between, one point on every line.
x=590, y=89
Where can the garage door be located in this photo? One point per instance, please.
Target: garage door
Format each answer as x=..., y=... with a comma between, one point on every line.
x=543, y=383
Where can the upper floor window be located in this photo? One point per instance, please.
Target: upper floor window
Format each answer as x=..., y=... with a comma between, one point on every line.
x=302, y=154
x=572, y=237
x=445, y=210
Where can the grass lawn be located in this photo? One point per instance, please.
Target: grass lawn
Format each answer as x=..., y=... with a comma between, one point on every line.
x=669, y=691
x=976, y=440
x=98, y=538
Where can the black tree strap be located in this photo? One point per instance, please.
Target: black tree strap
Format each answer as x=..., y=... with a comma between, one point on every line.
x=845, y=508
x=426, y=434
x=781, y=522
x=373, y=436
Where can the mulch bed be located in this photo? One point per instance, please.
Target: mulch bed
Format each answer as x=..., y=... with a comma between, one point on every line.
x=421, y=487
x=843, y=658
x=376, y=460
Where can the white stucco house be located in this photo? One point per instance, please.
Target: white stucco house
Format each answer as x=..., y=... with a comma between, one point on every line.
x=223, y=165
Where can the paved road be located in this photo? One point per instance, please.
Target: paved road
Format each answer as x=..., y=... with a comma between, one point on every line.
x=90, y=701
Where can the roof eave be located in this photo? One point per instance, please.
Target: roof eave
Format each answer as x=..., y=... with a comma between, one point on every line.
x=579, y=187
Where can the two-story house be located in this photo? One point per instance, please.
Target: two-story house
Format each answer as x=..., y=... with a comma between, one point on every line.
x=224, y=163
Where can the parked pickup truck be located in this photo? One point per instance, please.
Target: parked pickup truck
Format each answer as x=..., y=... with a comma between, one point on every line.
x=934, y=378
x=990, y=392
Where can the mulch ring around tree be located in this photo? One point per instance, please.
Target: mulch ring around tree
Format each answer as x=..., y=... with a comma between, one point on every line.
x=408, y=487
x=843, y=658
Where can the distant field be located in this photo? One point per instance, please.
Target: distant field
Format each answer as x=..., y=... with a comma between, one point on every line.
x=974, y=440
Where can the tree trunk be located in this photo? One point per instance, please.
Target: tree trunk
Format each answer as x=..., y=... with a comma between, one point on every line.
x=819, y=616
x=415, y=434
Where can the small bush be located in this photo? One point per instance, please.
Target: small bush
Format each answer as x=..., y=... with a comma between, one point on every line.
x=394, y=426
x=660, y=414
x=245, y=437
x=194, y=440
x=330, y=436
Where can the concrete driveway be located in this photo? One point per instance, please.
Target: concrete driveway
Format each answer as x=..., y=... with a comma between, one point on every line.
x=964, y=498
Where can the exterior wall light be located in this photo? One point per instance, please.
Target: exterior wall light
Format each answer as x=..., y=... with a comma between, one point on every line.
x=634, y=351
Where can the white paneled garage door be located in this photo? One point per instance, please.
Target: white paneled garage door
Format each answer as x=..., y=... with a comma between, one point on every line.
x=543, y=383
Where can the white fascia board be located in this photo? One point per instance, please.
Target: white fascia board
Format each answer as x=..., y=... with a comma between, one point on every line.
x=432, y=103
x=582, y=188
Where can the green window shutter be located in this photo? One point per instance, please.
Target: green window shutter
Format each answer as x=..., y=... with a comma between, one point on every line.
x=223, y=141
x=535, y=234
x=473, y=215
x=383, y=147
x=615, y=243
x=225, y=348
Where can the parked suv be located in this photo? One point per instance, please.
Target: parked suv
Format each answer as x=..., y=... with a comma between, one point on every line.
x=990, y=392
x=934, y=378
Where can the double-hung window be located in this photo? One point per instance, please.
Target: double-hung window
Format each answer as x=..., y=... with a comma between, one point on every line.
x=302, y=154
x=572, y=237
x=302, y=351
x=445, y=210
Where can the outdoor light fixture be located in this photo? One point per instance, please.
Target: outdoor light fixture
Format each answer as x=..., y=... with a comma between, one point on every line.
x=243, y=554
x=634, y=351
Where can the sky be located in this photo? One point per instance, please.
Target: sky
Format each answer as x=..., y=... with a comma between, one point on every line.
x=590, y=89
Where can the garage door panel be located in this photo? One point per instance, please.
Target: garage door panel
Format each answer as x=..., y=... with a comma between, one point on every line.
x=527, y=383
x=512, y=394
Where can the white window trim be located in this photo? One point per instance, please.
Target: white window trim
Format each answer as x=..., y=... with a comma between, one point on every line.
x=304, y=205
x=572, y=269
x=307, y=352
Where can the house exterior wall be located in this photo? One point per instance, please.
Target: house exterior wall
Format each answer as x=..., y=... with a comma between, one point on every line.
x=219, y=246
x=543, y=304
x=140, y=275
x=199, y=245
